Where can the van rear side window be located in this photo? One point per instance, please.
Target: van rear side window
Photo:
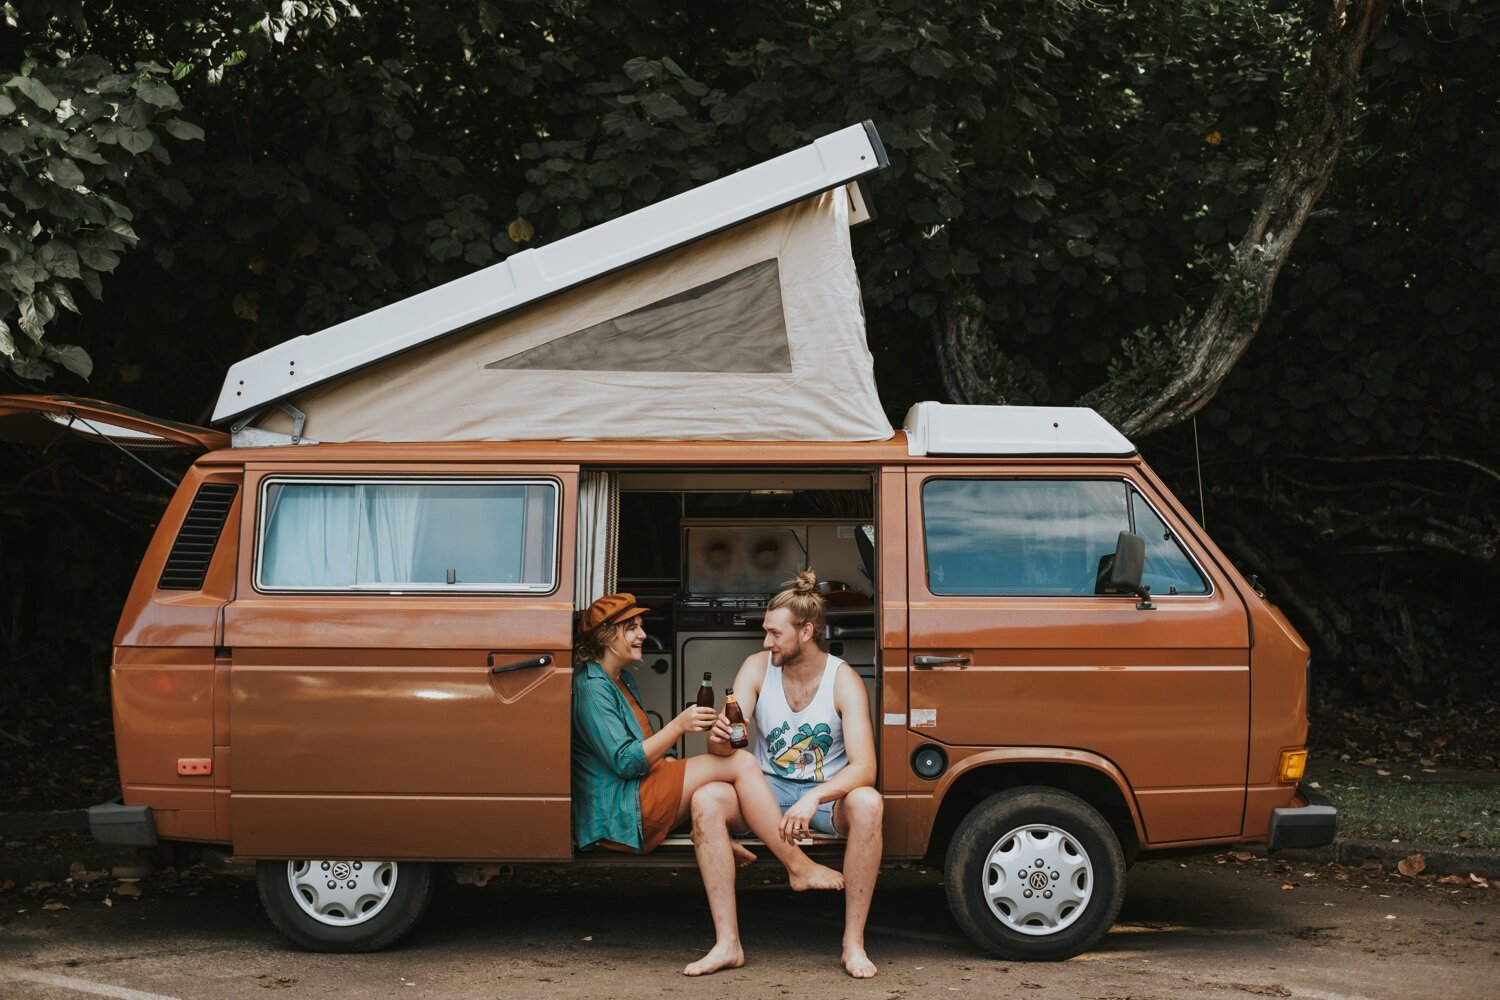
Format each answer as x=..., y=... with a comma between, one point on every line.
x=408, y=535
x=1022, y=537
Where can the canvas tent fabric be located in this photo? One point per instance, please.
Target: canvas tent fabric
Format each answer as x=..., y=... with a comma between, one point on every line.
x=754, y=333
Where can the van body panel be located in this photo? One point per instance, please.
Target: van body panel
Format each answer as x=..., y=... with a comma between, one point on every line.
x=1278, y=698
x=163, y=677
x=1163, y=694
x=163, y=703
x=42, y=418
x=895, y=774
x=421, y=827
x=926, y=797
x=370, y=723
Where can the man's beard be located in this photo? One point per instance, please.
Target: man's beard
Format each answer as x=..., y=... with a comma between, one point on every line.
x=795, y=657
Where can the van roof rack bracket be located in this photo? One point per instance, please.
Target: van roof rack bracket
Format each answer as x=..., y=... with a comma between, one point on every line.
x=245, y=436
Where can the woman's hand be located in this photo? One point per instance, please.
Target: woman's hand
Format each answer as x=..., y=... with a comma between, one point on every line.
x=695, y=719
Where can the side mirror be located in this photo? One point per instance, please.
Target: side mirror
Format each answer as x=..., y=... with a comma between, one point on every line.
x=1120, y=572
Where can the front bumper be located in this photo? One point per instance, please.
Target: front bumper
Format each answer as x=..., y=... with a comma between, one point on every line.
x=113, y=823
x=1313, y=825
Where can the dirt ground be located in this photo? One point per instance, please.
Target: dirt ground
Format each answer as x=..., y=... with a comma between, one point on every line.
x=1212, y=927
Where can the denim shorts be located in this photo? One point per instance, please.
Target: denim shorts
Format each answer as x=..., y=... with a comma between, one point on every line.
x=788, y=792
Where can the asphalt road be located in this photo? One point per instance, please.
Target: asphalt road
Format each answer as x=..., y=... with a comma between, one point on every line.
x=1212, y=927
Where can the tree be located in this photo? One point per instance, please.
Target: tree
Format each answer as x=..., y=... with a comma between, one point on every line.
x=1064, y=180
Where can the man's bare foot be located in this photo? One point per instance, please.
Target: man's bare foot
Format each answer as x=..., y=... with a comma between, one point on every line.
x=742, y=854
x=857, y=963
x=723, y=956
x=815, y=876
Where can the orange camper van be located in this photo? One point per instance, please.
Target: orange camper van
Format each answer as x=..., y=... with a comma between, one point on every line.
x=347, y=651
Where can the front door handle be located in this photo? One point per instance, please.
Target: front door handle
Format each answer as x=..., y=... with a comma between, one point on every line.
x=939, y=661
x=505, y=668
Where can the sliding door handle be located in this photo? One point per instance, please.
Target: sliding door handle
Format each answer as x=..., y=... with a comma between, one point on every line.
x=535, y=661
x=939, y=661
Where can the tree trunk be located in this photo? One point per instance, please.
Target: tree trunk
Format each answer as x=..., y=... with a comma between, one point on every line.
x=1141, y=400
x=964, y=353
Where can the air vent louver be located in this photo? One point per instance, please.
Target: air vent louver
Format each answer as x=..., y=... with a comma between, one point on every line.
x=188, y=562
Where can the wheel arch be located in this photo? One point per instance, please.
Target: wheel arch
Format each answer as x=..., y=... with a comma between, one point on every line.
x=1092, y=778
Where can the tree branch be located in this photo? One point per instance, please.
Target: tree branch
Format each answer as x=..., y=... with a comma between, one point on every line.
x=1148, y=397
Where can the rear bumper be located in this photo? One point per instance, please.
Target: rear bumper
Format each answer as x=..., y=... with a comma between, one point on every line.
x=113, y=823
x=1313, y=825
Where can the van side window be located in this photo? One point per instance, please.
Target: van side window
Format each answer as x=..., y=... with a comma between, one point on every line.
x=1042, y=537
x=386, y=535
x=1019, y=536
x=1168, y=569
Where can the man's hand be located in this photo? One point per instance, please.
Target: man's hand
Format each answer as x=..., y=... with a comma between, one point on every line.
x=719, y=733
x=796, y=823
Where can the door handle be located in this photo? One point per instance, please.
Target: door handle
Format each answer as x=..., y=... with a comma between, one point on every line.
x=939, y=661
x=535, y=661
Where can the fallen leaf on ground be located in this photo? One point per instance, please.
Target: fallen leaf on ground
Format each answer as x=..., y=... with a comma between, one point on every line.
x=127, y=889
x=1465, y=834
x=54, y=906
x=1242, y=855
x=1288, y=886
x=1415, y=864
x=108, y=901
x=1479, y=880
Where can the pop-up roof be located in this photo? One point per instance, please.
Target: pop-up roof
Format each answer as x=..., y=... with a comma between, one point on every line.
x=729, y=312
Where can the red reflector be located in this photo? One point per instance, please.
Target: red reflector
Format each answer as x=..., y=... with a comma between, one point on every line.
x=194, y=765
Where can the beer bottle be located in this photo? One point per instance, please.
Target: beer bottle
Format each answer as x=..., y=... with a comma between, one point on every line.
x=706, y=691
x=739, y=739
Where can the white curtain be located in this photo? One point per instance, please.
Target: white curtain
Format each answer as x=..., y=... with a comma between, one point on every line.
x=312, y=537
x=598, y=537
x=341, y=536
x=388, y=527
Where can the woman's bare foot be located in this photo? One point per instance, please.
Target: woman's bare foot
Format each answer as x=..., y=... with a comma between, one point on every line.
x=742, y=854
x=857, y=963
x=815, y=876
x=723, y=956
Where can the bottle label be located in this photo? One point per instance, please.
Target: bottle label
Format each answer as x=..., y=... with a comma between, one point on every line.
x=736, y=732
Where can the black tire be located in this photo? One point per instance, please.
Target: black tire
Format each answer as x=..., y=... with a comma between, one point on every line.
x=1084, y=877
x=395, y=895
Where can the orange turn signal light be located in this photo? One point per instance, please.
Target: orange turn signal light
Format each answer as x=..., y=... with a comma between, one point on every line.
x=1292, y=766
x=195, y=765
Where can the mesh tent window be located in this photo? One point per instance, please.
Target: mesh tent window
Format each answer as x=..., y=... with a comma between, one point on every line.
x=731, y=324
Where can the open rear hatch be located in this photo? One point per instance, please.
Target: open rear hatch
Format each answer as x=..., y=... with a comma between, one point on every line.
x=44, y=419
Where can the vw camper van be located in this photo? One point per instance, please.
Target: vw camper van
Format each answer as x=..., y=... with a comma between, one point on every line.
x=347, y=651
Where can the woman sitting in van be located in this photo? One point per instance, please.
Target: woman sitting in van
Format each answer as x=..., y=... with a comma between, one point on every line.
x=629, y=790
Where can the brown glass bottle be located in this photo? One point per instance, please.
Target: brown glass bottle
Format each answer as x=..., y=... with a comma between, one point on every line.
x=739, y=738
x=706, y=691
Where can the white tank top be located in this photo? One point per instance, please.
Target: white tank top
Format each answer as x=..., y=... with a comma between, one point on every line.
x=800, y=746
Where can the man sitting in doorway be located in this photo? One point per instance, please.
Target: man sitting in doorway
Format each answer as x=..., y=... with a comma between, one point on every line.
x=814, y=741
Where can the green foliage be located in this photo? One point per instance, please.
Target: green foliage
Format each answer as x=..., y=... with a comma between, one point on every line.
x=74, y=136
x=1080, y=170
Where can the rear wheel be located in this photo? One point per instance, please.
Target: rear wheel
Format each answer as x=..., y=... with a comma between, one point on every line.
x=1035, y=874
x=344, y=905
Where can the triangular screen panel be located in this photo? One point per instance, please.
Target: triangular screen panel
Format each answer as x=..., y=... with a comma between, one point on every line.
x=731, y=324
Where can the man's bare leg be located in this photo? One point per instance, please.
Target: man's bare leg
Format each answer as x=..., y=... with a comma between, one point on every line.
x=757, y=806
x=861, y=813
x=715, y=809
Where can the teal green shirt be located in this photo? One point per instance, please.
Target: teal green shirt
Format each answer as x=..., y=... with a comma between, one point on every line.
x=609, y=760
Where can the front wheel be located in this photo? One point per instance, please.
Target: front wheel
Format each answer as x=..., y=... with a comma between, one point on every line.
x=344, y=905
x=1035, y=874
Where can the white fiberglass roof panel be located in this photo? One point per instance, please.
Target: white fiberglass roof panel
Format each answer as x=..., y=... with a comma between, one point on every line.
x=948, y=429
x=532, y=275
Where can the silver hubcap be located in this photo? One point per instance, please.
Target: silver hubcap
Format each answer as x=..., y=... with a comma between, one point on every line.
x=341, y=893
x=1038, y=880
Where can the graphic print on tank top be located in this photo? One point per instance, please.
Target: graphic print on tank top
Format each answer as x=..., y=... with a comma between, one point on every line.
x=801, y=746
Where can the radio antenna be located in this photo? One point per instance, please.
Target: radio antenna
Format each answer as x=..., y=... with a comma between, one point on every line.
x=1198, y=461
